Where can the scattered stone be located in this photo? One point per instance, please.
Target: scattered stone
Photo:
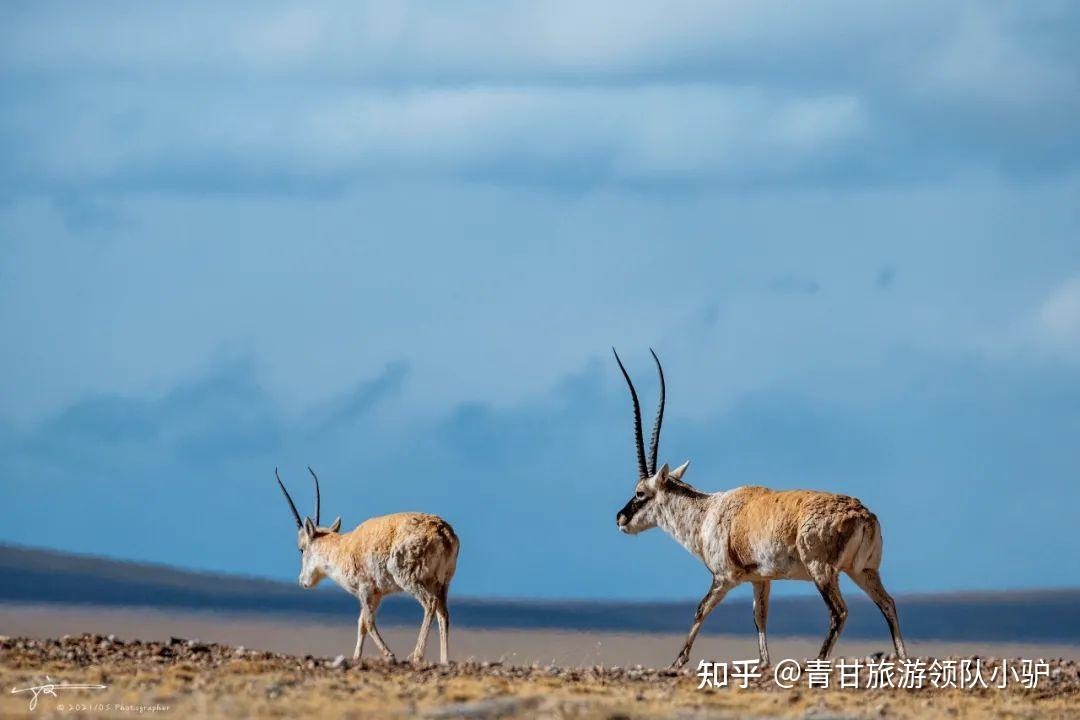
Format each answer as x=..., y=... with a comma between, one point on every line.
x=133, y=658
x=485, y=709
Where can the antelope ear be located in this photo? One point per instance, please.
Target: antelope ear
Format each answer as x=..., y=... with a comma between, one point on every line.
x=660, y=476
x=678, y=472
x=309, y=527
x=336, y=526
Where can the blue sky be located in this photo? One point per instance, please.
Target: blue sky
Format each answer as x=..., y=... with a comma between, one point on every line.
x=396, y=241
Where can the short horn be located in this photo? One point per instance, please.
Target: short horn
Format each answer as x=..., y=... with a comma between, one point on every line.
x=292, y=505
x=654, y=440
x=318, y=498
x=639, y=442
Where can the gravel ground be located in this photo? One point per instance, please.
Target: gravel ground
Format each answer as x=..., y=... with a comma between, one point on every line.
x=188, y=678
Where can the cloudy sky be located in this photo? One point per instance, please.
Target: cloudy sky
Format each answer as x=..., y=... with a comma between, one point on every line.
x=396, y=241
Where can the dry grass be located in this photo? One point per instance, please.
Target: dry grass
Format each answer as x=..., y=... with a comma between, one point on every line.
x=209, y=680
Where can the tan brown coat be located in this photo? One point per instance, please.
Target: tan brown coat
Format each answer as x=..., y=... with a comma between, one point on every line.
x=755, y=534
x=409, y=551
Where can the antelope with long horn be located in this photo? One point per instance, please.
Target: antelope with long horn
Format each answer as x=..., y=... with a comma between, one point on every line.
x=411, y=552
x=757, y=535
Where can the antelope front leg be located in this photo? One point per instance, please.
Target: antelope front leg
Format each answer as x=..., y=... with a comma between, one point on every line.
x=717, y=591
x=367, y=616
x=361, y=631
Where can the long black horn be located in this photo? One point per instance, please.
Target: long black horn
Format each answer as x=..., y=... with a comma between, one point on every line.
x=654, y=440
x=318, y=499
x=292, y=506
x=639, y=442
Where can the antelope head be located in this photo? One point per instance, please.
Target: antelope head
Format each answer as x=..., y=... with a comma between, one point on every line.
x=642, y=510
x=309, y=532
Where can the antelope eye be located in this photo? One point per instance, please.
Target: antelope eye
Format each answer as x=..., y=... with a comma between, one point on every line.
x=639, y=495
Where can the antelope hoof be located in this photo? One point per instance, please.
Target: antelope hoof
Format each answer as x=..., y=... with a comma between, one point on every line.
x=680, y=661
x=417, y=659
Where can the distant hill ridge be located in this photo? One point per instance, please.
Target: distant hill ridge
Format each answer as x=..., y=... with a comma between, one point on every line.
x=44, y=576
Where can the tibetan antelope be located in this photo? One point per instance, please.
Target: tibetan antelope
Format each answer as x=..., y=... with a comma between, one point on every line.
x=409, y=551
x=757, y=535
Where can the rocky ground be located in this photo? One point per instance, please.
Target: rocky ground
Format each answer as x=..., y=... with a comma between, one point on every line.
x=187, y=678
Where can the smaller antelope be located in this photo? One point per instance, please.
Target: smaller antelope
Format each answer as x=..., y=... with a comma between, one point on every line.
x=757, y=535
x=409, y=551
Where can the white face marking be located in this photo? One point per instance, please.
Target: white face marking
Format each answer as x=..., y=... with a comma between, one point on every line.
x=310, y=562
x=639, y=513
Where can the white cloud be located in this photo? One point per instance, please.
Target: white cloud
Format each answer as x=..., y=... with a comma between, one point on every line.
x=1058, y=320
x=641, y=134
x=280, y=94
x=485, y=41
